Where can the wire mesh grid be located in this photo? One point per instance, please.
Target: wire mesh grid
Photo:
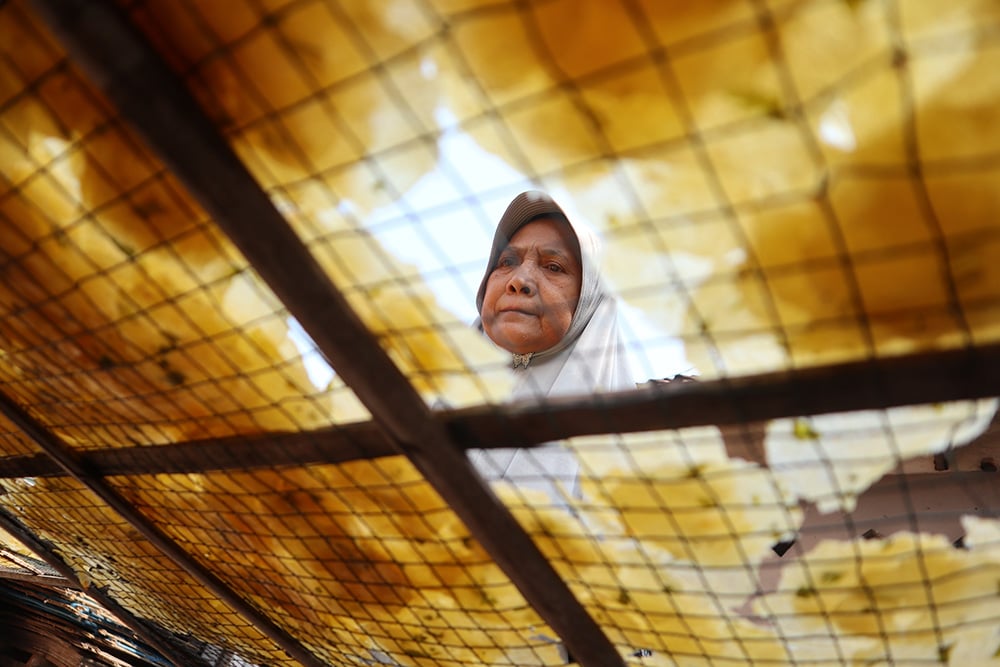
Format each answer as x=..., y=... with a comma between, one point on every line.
x=778, y=184
x=105, y=552
x=363, y=561
x=15, y=443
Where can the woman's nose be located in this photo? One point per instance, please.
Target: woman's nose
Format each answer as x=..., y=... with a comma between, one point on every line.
x=520, y=282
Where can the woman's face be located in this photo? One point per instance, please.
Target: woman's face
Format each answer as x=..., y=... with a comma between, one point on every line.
x=533, y=290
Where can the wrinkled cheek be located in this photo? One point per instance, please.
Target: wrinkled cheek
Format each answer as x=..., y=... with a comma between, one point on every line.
x=562, y=324
x=488, y=329
x=492, y=328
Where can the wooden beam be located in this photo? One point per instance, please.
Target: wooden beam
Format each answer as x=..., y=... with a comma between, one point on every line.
x=337, y=444
x=150, y=97
x=927, y=377
x=46, y=580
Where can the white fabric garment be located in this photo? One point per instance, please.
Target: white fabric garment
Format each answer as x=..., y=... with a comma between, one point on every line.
x=590, y=358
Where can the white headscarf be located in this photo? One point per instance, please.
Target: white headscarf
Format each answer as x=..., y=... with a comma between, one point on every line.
x=591, y=356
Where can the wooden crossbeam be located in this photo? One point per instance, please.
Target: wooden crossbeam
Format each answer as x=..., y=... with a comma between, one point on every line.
x=929, y=377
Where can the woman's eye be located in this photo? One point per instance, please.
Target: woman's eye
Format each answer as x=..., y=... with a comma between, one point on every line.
x=505, y=261
x=554, y=267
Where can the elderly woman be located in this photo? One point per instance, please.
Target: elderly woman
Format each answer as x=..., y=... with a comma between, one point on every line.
x=542, y=300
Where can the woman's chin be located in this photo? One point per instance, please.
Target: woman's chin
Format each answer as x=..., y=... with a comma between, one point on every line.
x=515, y=340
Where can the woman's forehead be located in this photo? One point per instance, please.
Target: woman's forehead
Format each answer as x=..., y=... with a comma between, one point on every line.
x=547, y=233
